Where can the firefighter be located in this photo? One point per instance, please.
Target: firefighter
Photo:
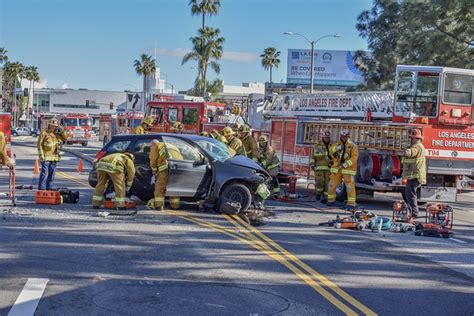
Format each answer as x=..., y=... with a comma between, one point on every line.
x=159, y=167
x=268, y=159
x=344, y=155
x=205, y=134
x=414, y=170
x=320, y=161
x=216, y=135
x=4, y=159
x=144, y=126
x=177, y=127
x=233, y=142
x=49, y=143
x=250, y=145
x=118, y=168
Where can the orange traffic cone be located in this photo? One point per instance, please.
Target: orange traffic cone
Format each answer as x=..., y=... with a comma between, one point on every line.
x=79, y=166
x=36, y=168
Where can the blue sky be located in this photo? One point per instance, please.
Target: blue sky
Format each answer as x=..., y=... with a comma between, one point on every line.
x=92, y=43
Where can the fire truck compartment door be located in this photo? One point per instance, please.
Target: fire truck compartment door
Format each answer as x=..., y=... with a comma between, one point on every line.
x=438, y=194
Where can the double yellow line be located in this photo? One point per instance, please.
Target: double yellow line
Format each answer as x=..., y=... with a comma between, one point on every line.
x=69, y=177
x=249, y=235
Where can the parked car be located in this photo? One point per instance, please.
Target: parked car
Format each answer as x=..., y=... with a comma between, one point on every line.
x=207, y=171
x=21, y=131
x=35, y=132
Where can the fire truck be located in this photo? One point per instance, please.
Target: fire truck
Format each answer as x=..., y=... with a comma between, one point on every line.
x=122, y=123
x=78, y=128
x=436, y=100
x=195, y=116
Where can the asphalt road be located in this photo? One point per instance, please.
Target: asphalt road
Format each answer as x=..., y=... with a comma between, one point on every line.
x=192, y=263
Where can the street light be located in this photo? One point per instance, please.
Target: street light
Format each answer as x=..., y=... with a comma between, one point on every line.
x=312, y=51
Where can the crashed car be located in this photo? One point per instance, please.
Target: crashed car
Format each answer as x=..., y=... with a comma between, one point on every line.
x=201, y=168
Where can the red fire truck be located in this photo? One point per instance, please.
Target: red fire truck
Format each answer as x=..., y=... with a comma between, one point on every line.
x=437, y=100
x=122, y=123
x=195, y=116
x=78, y=128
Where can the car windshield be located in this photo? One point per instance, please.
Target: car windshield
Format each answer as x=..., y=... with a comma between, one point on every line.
x=216, y=149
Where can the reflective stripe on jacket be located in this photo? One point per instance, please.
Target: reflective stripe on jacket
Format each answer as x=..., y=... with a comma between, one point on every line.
x=414, y=163
x=344, y=154
x=320, y=158
x=49, y=143
x=268, y=158
x=118, y=163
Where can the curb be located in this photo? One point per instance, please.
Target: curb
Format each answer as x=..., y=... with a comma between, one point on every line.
x=78, y=154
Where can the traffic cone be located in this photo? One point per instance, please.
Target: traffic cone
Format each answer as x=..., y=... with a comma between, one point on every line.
x=79, y=166
x=36, y=168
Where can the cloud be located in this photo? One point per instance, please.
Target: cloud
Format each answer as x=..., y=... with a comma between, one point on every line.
x=64, y=86
x=241, y=57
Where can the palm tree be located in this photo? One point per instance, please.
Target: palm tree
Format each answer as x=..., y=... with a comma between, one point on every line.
x=32, y=75
x=3, y=55
x=207, y=49
x=270, y=59
x=145, y=67
x=210, y=7
x=13, y=72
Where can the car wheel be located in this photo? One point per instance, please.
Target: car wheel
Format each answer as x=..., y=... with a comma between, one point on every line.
x=15, y=134
x=84, y=144
x=341, y=193
x=238, y=192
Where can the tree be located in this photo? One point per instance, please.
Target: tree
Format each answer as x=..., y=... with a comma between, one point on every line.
x=145, y=67
x=437, y=32
x=270, y=59
x=32, y=75
x=207, y=49
x=210, y=7
x=3, y=55
x=13, y=73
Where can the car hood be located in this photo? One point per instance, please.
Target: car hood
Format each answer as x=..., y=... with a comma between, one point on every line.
x=244, y=162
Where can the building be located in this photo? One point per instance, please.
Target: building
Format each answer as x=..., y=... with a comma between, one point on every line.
x=237, y=93
x=92, y=102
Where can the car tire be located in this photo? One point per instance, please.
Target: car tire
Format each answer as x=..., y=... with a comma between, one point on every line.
x=84, y=144
x=341, y=193
x=238, y=192
x=15, y=134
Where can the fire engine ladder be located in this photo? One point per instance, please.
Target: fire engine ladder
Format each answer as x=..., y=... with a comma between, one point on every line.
x=366, y=135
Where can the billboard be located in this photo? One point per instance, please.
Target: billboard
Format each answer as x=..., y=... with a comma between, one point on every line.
x=331, y=67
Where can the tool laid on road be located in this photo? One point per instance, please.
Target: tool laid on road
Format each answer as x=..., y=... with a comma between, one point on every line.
x=401, y=212
x=129, y=204
x=439, y=221
x=357, y=220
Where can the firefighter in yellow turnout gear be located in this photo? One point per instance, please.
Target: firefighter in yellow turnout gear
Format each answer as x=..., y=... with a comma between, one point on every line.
x=118, y=168
x=250, y=145
x=159, y=168
x=414, y=170
x=177, y=127
x=144, y=126
x=4, y=159
x=268, y=159
x=233, y=142
x=320, y=161
x=49, y=143
x=344, y=155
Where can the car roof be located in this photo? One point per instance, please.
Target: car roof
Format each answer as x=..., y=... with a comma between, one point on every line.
x=132, y=137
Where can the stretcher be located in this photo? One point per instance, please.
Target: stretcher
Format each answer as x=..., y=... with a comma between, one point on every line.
x=10, y=194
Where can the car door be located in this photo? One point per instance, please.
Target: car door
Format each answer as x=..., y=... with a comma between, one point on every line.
x=142, y=181
x=188, y=169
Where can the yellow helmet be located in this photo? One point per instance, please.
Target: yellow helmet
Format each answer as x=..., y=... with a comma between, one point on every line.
x=245, y=129
x=177, y=126
x=148, y=120
x=227, y=131
x=53, y=122
x=206, y=134
x=263, y=139
x=129, y=155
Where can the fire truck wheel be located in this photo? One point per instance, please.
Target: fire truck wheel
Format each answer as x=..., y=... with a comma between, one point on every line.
x=84, y=144
x=238, y=192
